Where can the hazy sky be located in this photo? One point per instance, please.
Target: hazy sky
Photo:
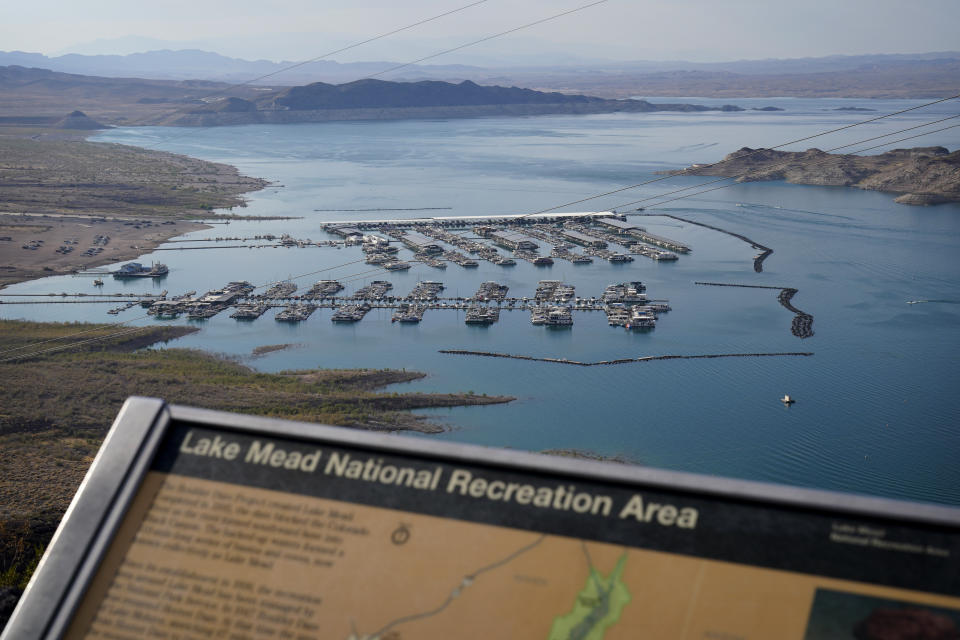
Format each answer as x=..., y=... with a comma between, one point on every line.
x=699, y=30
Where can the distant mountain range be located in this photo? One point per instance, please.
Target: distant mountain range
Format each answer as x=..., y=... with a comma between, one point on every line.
x=384, y=100
x=902, y=75
x=40, y=96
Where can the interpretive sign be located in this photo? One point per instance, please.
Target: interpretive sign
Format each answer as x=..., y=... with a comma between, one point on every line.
x=195, y=525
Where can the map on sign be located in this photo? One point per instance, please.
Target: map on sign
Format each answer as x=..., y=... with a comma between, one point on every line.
x=241, y=537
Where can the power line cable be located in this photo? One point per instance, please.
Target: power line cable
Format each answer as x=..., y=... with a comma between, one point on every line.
x=70, y=335
x=725, y=186
x=74, y=344
x=399, y=66
x=496, y=35
x=223, y=92
x=787, y=163
x=348, y=48
x=753, y=152
x=630, y=187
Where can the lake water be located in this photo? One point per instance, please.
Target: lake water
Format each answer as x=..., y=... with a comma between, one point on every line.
x=875, y=411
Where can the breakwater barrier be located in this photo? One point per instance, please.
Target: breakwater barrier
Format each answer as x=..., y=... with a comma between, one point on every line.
x=757, y=260
x=512, y=356
x=802, y=324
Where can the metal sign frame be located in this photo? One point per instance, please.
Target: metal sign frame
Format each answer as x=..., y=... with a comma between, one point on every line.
x=101, y=503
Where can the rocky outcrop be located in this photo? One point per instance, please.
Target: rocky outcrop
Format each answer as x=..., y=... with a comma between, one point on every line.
x=78, y=120
x=924, y=175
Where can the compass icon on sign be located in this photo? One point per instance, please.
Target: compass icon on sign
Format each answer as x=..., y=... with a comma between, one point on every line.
x=400, y=535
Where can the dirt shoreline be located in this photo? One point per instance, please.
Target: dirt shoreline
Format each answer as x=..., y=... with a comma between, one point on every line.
x=49, y=232
x=58, y=193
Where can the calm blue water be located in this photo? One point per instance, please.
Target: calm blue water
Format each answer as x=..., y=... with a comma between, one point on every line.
x=875, y=409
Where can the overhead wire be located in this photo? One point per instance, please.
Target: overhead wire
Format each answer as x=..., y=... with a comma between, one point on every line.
x=487, y=38
x=362, y=274
x=753, y=152
x=348, y=48
x=395, y=67
x=497, y=35
x=817, y=162
x=225, y=91
x=74, y=344
x=787, y=163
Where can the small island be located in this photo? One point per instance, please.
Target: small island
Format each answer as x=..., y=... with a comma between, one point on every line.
x=922, y=176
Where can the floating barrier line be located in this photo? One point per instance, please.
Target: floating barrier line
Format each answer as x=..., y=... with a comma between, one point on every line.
x=757, y=261
x=802, y=325
x=491, y=354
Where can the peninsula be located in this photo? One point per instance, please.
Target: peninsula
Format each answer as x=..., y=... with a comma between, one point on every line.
x=58, y=190
x=922, y=176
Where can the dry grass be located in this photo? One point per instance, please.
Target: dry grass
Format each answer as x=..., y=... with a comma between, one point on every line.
x=71, y=176
x=55, y=409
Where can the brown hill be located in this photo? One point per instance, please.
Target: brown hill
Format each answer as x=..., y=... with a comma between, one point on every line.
x=924, y=175
x=78, y=120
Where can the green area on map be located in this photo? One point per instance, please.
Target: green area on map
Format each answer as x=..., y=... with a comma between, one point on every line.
x=596, y=608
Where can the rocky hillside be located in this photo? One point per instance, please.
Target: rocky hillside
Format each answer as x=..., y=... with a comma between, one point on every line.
x=384, y=94
x=924, y=175
x=383, y=100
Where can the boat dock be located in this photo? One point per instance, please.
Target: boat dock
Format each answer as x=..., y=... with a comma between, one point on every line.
x=351, y=312
x=295, y=313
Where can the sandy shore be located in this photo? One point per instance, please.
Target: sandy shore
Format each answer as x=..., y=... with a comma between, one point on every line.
x=128, y=239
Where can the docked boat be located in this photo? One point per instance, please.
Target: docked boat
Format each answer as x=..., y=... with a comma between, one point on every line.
x=323, y=289
x=559, y=317
x=280, y=290
x=350, y=313
x=250, y=311
x=477, y=314
x=641, y=318
x=137, y=270
x=296, y=313
x=408, y=313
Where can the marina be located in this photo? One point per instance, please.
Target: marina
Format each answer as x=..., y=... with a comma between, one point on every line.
x=552, y=304
x=854, y=257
